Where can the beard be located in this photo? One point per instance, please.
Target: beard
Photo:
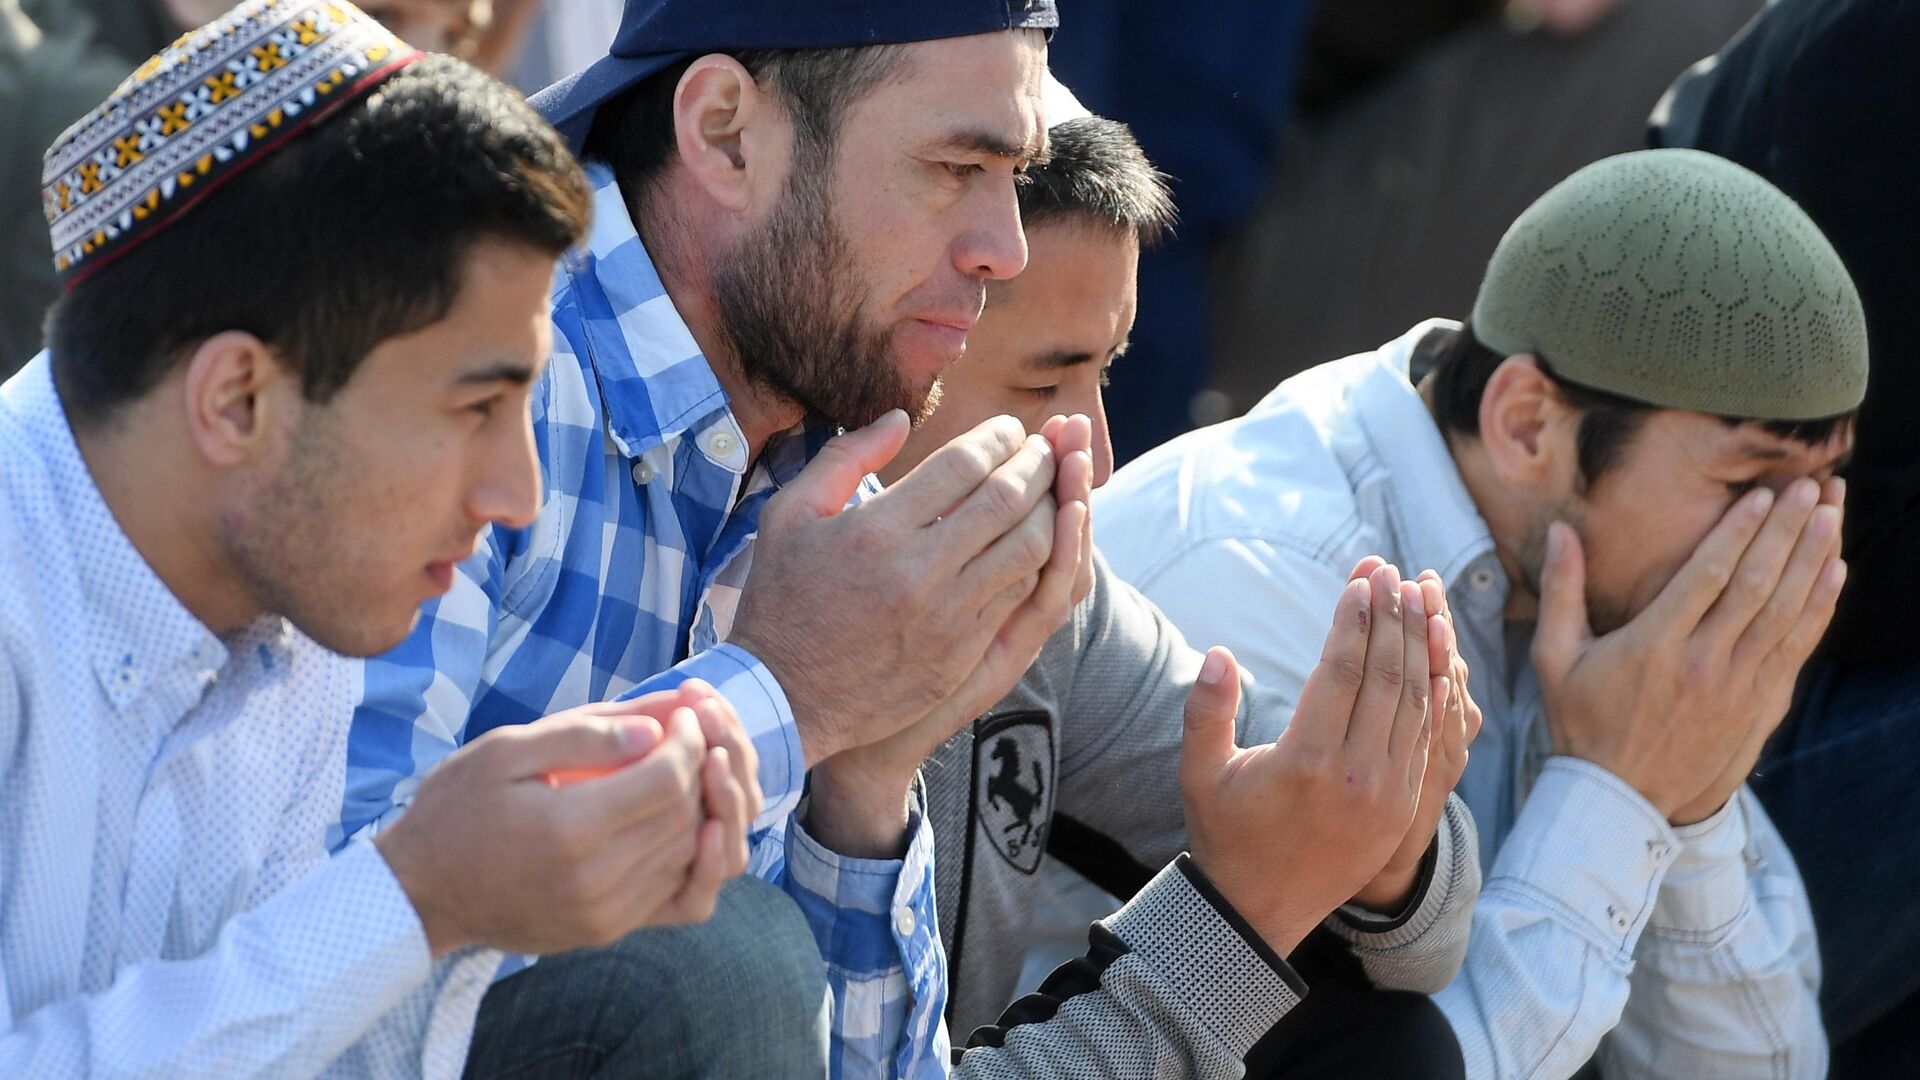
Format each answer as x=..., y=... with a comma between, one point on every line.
x=786, y=299
x=1605, y=613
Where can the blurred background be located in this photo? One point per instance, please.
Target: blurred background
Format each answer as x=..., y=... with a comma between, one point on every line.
x=1343, y=167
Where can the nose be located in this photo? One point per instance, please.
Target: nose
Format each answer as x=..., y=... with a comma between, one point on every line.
x=993, y=246
x=1102, y=444
x=507, y=489
x=1094, y=406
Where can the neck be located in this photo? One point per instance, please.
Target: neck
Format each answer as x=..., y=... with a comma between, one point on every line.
x=1503, y=509
x=681, y=252
x=156, y=494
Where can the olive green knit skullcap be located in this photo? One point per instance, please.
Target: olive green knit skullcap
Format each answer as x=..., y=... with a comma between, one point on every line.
x=1684, y=281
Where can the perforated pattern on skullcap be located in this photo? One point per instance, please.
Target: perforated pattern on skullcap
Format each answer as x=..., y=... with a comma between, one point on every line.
x=1683, y=280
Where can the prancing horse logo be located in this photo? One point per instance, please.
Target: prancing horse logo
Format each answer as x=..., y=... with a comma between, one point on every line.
x=1013, y=797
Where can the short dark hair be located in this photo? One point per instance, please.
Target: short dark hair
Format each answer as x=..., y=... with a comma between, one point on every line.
x=633, y=133
x=1096, y=170
x=355, y=231
x=1461, y=366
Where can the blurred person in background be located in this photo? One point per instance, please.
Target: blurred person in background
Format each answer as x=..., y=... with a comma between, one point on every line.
x=1822, y=97
x=58, y=58
x=47, y=80
x=1423, y=129
x=1344, y=167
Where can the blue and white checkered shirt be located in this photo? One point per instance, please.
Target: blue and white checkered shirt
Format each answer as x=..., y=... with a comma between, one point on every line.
x=626, y=583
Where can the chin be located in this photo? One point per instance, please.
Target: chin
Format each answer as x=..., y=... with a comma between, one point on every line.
x=366, y=637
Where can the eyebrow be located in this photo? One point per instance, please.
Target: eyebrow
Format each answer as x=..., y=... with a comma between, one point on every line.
x=1054, y=361
x=1772, y=452
x=1066, y=358
x=986, y=142
x=507, y=371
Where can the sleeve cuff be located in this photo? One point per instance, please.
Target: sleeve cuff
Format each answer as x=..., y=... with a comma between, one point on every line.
x=1706, y=890
x=1452, y=865
x=870, y=915
x=877, y=925
x=1234, y=981
x=765, y=715
x=1588, y=848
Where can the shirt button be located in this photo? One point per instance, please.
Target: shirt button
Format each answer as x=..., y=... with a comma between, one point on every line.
x=643, y=472
x=904, y=922
x=719, y=444
x=1481, y=579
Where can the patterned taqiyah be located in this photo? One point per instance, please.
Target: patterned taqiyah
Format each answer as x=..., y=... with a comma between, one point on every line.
x=205, y=108
x=1684, y=281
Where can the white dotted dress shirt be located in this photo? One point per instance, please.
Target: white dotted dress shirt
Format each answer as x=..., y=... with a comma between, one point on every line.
x=167, y=907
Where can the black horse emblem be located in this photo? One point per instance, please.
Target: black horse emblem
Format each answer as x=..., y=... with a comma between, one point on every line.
x=1013, y=797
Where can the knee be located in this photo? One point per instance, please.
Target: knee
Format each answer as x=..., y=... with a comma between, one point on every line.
x=756, y=957
x=759, y=956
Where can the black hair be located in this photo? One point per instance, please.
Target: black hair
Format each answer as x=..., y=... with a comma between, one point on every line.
x=1097, y=170
x=633, y=133
x=1462, y=364
x=353, y=232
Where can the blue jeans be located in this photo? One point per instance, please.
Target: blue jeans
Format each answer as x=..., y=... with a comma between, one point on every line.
x=1842, y=781
x=741, y=995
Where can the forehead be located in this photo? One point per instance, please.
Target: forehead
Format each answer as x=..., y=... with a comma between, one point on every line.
x=980, y=87
x=1076, y=296
x=1080, y=273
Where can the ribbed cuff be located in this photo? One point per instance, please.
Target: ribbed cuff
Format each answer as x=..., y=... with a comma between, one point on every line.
x=1452, y=859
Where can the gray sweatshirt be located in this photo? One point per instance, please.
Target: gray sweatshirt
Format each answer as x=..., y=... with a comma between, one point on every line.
x=1079, y=763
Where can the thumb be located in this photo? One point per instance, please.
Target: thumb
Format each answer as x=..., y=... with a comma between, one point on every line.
x=579, y=745
x=1563, y=629
x=830, y=479
x=1211, y=705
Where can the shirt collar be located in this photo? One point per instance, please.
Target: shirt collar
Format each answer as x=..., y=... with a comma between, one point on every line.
x=1440, y=524
x=655, y=382
x=138, y=630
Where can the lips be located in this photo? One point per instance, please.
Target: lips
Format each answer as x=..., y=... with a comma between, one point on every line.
x=961, y=323
x=441, y=571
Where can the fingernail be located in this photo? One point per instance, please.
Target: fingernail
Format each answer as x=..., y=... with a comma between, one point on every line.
x=1416, y=601
x=1825, y=521
x=1213, y=669
x=627, y=732
x=1762, y=502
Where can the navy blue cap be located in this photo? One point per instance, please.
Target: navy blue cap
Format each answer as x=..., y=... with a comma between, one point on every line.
x=656, y=33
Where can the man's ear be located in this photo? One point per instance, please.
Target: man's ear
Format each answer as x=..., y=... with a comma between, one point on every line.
x=235, y=390
x=729, y=134
x=1526, y=428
